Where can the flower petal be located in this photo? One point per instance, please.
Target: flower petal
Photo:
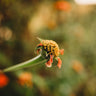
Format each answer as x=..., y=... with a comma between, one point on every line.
x=61, y=51
x=59, y=62
x=48, y=64
x=38, y=50
x=40, y=44
x=51, y=58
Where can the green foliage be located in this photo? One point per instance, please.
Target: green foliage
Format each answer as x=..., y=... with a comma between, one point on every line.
x=74, y=31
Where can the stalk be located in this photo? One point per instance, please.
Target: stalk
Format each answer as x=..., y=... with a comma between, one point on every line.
x=34, y=61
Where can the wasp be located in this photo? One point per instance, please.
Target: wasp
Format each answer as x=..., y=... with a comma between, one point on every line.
x=52, y=51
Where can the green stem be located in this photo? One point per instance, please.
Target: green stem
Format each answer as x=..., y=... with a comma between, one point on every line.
x=36, y=60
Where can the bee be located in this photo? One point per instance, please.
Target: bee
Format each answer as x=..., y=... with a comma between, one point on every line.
x=52, y=51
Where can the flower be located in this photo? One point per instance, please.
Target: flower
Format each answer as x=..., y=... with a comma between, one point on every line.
x=77, y=66
x=63, y=5
x=25, y=78
x=50, y=50
x=4, y=80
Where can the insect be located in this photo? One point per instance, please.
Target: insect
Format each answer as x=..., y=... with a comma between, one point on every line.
x=52, y=51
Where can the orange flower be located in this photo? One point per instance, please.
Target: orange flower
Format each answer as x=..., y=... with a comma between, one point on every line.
x=3, y=80
x=51, y=50
x=25, y=78
x=77, y=66
x=63, y=5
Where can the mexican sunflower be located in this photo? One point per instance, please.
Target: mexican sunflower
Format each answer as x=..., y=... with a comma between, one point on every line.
x=51, y=50
x=4, y=80
x=25, y=79
x=63, y=5
x=77, y=66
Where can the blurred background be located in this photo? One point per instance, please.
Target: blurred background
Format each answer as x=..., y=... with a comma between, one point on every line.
x=68, y=22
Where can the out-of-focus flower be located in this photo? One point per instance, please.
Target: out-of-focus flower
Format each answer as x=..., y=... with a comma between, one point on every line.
x=41, y=18
x=63, y=5
x=4, y=80
x=77, y=66
x=25, y=78
x=5, y=33
x=51, y=50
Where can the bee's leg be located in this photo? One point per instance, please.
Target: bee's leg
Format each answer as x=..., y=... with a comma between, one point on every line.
x=50, y=61
x=59, y=62
x=61, y=51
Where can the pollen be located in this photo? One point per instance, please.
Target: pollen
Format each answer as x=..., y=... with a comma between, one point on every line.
x=51, y=47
